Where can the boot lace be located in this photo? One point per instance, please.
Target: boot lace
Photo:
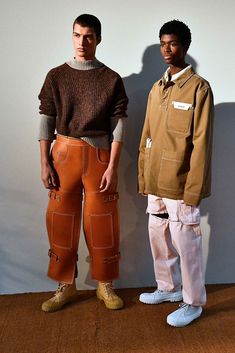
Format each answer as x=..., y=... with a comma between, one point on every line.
x=108, y=289
x=185, y=306
x=61, y=288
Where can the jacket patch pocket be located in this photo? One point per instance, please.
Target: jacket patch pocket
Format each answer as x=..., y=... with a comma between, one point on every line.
x=146, y=156
x=179, y=117
x=173, y=171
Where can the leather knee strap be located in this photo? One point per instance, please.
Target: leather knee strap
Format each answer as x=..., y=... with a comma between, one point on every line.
x=101, y=228
x=62, y=266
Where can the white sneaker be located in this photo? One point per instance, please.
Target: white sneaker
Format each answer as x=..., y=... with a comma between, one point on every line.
x=159, y=296
x=184, y=315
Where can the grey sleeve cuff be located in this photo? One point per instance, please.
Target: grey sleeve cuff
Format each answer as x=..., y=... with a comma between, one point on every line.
x=117, y=128
x=47, y=127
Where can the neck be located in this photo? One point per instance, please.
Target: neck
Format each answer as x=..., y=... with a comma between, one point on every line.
x=83, y=59
x=174, y=69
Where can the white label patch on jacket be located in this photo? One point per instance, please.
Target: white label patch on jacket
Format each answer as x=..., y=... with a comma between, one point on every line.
x=181, y=105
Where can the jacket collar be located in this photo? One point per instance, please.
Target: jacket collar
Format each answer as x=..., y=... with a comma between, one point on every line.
x=181, y=80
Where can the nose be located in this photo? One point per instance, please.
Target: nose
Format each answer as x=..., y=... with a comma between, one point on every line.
x=81, y=40
x=167, y=48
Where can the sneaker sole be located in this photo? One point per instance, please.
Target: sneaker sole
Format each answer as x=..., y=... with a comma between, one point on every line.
x=183, y=325
x=62, y=304
x=172, y=300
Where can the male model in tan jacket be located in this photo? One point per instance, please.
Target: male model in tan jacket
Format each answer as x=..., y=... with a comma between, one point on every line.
x=175, y=173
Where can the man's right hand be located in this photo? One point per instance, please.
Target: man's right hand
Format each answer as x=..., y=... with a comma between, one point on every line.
x=48, y=173
x=49, y=176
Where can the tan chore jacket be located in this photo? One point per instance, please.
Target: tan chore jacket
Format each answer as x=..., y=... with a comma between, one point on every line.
x=176, y=143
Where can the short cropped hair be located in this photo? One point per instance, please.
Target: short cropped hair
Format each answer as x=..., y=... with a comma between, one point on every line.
x=91, y=21
x=180, y=29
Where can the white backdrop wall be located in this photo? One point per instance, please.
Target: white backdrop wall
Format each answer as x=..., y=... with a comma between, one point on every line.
x=36, y=36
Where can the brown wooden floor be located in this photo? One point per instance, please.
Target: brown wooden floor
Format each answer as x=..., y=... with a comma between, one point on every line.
x=88, y=327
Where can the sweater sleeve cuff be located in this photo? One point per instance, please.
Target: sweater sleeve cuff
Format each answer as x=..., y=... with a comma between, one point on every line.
x=117, y=128
x=47, y=128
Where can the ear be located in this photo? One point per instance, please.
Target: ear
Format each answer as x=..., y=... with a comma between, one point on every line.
x=185, y=49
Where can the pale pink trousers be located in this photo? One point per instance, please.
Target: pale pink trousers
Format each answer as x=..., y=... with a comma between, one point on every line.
x=176, y=245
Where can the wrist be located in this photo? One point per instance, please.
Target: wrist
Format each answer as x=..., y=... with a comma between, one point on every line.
x=113, y=167
x=45, y=162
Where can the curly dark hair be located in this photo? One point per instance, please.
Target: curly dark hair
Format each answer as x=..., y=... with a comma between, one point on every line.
x=180, y=29
x=87, y=20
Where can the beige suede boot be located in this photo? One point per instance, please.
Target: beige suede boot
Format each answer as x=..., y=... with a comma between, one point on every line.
x=65, y=293
x=106, y=293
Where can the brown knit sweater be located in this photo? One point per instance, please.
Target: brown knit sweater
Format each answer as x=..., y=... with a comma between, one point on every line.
x=83, y=100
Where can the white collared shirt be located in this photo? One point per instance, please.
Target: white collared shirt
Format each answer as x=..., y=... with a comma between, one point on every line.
x=175, y=76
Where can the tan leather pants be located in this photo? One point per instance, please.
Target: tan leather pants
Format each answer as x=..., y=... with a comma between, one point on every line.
x=80, y=167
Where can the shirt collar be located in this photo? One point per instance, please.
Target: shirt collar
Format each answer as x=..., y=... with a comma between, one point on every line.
x=84, y=65
x=177, y=75
x=180, y=78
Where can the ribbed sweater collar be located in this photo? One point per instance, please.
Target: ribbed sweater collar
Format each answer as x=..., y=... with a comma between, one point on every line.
x=84, y=65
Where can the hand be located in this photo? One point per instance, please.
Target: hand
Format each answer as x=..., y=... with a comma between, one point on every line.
x=49, y=176
x=109, y=180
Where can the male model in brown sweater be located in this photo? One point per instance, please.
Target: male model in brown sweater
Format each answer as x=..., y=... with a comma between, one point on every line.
x=85, y=102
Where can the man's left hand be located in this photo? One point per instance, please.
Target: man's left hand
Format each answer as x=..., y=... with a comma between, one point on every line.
x=109, y=181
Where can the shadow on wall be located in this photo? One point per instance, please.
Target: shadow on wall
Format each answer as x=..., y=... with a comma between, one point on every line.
x=136, y=268
x=136, y=260
x=220, y=206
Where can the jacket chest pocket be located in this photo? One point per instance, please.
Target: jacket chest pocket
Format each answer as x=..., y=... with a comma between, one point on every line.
x=179, y=120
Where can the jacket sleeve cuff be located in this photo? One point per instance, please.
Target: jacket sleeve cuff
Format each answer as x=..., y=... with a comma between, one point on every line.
x=141, y=184
x=192, y=199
